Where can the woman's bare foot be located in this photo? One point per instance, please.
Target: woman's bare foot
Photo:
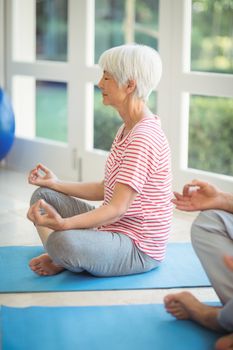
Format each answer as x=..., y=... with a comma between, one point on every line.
x=44, y=266
x=185, y=306
x=225, y=343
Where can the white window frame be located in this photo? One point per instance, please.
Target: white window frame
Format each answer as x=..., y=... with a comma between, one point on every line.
x=77, y=72
x=177, y=82
x=2, y=43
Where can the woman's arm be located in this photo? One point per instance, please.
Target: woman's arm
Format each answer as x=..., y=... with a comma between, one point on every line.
x=44, y=177
x=123, y=197
x=93, y=191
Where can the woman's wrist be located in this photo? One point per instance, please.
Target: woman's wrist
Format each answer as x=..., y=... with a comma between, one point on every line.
x=65, y=224
x=55, y=185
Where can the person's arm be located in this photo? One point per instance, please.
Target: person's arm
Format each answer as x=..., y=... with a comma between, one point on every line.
x=44, y=177
x=123, y=196
x=93, y=191
x=227, y=202
x=200, y=195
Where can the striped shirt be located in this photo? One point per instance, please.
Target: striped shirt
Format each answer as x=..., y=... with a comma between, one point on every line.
x=142, y=160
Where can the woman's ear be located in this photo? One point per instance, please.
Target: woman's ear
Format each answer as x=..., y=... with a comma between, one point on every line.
x=131, y=86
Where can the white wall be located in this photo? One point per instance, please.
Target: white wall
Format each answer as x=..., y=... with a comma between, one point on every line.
x=2, y=24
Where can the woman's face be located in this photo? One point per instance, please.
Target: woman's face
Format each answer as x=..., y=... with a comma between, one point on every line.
x=113, y=95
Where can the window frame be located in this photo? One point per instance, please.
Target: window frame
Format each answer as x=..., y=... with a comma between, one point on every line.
x=176, y=84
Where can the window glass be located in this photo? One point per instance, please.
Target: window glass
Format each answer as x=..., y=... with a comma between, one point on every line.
x=39, y=30
x=106, y=123
x=212, y=36
x=121, y=21
x=146, y=22
x=51, y=30
x=51, y=110
x=118, y=22
x=109, y=25
x=210, y=134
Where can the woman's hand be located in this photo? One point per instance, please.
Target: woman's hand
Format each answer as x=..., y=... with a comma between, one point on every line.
x=199, y=195
x=43, y=214
x=42, y=176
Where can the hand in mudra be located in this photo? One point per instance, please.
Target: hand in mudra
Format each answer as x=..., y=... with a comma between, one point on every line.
x=43, y=214
x=42, y=176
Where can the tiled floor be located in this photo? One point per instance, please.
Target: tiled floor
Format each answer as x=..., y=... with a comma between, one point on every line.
x=15, y=229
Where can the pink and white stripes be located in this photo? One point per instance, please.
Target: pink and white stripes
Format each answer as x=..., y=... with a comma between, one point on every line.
x=142, y=161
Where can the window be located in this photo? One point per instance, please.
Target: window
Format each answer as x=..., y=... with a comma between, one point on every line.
x=51, y=73
x=195, y=95
x=51, y=30
x=210, y=134
x=118, y=22
x=51, y=118
x=211, y=117
x=212, y=44
x=42, y=38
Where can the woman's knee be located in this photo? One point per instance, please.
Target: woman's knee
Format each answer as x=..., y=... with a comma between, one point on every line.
x=37, y=194
x=41, y=193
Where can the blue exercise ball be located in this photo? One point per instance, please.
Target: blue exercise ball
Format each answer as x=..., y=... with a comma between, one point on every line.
x=7, y=124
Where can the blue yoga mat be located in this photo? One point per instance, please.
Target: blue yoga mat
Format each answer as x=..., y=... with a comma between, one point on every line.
x=133, y=327
x=181, y=268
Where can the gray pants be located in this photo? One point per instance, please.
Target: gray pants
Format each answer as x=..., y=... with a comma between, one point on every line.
x=100, y=253
x=212, y=237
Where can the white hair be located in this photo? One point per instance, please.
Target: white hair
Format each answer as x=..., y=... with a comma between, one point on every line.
x=133, y=62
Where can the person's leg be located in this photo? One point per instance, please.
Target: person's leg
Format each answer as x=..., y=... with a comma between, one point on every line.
x=225, y=316
x=184, y=306
x=97, y=252
x=66, y=206
x=212, y=237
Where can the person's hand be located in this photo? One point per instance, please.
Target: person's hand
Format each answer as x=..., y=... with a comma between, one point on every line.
x=198, y=195
x=42, y=176
x=43, y=214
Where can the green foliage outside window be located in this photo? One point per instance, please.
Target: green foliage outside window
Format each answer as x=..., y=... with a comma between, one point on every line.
x=212, y=36
x=211, y=134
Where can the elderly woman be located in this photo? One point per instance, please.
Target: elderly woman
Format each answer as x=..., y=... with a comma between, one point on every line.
x=128, y=233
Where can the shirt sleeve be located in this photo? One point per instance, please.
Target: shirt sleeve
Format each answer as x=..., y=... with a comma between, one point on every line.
x=225, y=317
x=139, y=161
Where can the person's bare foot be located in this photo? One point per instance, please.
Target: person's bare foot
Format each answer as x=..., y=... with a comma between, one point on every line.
x=44, y=266
x=185, y=306
x=225, y=343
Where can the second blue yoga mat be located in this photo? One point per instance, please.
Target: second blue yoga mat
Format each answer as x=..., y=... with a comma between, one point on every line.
x=181, y=268
x=134, y=327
